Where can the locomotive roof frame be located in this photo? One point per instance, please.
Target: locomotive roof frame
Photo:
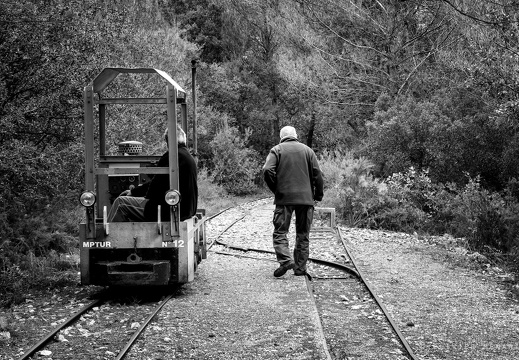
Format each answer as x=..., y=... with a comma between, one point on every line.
x=107, y=75
x=174, y=96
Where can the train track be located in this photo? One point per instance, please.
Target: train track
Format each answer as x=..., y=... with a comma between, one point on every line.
x=334, y=274
x=108, y=307
x=353, y=320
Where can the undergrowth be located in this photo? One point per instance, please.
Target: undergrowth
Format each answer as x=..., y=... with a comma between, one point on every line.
x=411, y=202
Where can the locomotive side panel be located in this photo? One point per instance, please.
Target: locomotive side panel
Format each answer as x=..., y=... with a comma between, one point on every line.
x=130, y=254
x=136, y=254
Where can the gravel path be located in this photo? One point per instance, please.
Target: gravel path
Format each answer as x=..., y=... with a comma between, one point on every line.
x=447, y=306
x=235, y=310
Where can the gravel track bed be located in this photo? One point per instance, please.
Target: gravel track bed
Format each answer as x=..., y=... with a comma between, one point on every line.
x=100, y=333
x=232, y=312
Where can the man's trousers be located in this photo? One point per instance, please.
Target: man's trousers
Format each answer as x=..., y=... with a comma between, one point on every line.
x=282, y=216
x=127, y=208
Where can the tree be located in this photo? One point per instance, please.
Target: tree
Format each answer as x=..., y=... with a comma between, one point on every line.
x=48, y=52
x=235, y=166
x=202, y=24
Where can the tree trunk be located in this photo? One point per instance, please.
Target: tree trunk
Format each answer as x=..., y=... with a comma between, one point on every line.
x=310, y=135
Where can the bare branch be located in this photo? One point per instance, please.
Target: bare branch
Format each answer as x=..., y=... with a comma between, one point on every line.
x=469, y=15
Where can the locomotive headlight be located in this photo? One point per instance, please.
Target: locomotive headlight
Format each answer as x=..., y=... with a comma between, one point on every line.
x=87, y=199
x=172, y=197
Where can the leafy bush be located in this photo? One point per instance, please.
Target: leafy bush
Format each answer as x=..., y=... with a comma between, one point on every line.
x=411, y=202
x=405, y=217
x=43, y=190
x=32, y=259
x=488, y=220
x=21, y=273
x=450, y=135
x=409, y=133
x=235, y=167
x=349, y=187
x=211, y=196
x=39, y=216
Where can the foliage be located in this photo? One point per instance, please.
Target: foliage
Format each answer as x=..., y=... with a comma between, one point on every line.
x=411, y=202
x=404, y=135
x=22, y=273
x=488, y=220
x=202, y=21
x=235, y=167
x=408, y=133
x=43, y=185
x=348, y=186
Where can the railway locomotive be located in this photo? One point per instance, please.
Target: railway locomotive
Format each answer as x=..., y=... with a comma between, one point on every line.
x=160, y=253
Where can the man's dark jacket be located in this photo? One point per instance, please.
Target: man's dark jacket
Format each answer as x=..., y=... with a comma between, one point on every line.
x=155, y=190
x=292, y=173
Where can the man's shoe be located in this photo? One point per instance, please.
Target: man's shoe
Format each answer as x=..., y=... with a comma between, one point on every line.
x=280, y=271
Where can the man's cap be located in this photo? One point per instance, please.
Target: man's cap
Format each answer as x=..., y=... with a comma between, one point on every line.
x=288, y=131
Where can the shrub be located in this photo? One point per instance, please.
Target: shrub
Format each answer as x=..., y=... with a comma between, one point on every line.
x=404, y=217
x=400, y=203
x=410, y=202
x=211, y=197
x=414, y=187
x=488, y=220
x=349, y=187
x=20, y=273
x=235, y=167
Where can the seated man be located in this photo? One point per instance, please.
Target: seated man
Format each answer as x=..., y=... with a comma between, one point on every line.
x=140, y=203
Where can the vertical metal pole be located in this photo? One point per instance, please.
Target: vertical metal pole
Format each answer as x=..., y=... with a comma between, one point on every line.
x=88, y=103
x=171, y=98
x=183, y=111
x=89, y=138
x=102, y=129
x=193, y=91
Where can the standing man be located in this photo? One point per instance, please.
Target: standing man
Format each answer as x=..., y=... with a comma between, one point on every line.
x=140, y=203
x=292, y=173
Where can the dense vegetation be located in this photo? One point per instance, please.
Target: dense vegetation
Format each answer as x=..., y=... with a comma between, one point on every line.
x=412, y=107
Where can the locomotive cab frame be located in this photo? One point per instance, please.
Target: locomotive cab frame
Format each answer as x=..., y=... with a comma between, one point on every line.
x=135, y=253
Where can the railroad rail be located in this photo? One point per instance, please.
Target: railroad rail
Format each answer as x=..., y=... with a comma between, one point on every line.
x=48, y=337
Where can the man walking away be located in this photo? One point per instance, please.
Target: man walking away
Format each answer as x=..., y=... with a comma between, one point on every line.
x=292, y=173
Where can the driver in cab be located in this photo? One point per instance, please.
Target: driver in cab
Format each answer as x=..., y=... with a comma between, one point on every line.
x=140, y=203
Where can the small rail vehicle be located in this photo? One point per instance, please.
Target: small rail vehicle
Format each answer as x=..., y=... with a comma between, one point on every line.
x=124, y=254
